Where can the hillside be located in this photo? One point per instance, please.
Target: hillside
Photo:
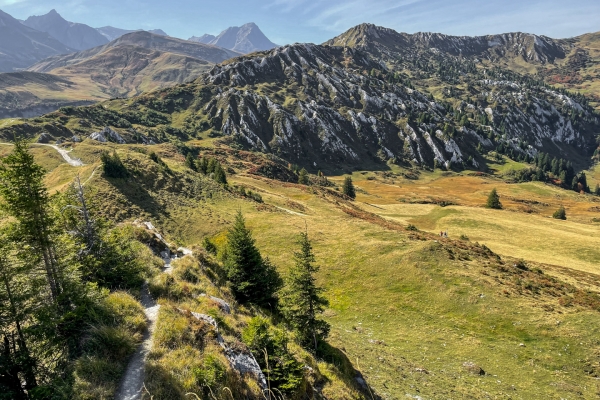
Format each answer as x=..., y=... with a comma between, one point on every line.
x=136, y=62
x=411, y=313
x=29, y=94
x=73, y=35
x=21, y=46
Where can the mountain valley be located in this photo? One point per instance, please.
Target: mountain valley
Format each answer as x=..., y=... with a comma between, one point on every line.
x=381, y=216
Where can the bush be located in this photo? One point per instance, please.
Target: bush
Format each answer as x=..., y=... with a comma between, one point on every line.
x=411, y=227
x=561, y=213
x=283, y=370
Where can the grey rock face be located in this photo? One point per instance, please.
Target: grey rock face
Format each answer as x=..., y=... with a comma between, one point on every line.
x=74, y=35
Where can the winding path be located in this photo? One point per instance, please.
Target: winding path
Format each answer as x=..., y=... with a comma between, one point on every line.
x=132, y=384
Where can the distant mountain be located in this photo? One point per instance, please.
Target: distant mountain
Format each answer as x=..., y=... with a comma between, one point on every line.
x=206, y=38
x=74, y=35
x=112, y=33
x=21, y=46
x=136, y=62
x=385, y=41
x=569, y=63
x=245, y=39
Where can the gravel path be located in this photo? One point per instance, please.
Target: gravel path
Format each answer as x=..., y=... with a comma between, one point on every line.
x=75, y=162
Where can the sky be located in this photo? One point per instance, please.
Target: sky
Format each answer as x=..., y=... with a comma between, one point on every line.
x=290, y=21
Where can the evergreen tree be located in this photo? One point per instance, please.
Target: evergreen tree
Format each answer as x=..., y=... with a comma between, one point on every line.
x=560, y=213
x=113, y=166
x=348, y=188
x=493, y=200
x=303, y=178
x=190, y=162
x=26, y=199
x=219, y=174
x=253, y=279
x=302, y=299
x=597, y=190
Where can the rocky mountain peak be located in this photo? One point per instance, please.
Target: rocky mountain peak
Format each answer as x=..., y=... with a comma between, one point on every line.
x=74, y=35
x=245, y=39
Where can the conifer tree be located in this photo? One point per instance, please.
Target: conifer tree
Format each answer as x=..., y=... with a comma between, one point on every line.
x=303, y=178
x=560, y=213
x=26, y=199
x=348, y=188
x=302, y=300
x=493, y=200
x=190, y=162
x=253, y=279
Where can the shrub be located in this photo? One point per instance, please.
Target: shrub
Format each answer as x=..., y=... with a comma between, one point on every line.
x=284, y=372
x=411, y=227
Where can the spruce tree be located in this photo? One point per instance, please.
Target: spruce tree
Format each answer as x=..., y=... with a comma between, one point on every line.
x=348, y=188
x=26, y=199
x=303, y=178
x=253, y=279
x=493, y=200
x=302, y=300
x=190, y=162
x=560, y=213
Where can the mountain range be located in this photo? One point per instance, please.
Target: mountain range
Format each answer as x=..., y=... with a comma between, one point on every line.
x=22, y=46
x=245, y=39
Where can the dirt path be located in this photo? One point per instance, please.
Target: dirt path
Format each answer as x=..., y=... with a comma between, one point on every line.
x=291, y=212
x=133, y=380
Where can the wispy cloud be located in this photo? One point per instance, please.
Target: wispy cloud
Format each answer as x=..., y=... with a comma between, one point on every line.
x=10, y=2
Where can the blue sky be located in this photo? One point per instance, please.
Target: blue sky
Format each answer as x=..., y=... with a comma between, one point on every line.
x=288, y=21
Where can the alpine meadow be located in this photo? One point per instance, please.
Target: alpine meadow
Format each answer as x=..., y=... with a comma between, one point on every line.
x=384, y=215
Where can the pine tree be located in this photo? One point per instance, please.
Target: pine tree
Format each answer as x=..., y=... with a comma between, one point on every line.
x=253, y=279
x=26, y=199
x=348, y=188
x=113, y=166
x=560, y=213
x=219, y=174
x=303, y=178
x=493, y=200
x=190, y=162
x=302, y=300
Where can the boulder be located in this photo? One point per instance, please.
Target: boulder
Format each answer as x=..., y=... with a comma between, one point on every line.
x=473, y=368
x=75, y=139
x=107, y=134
